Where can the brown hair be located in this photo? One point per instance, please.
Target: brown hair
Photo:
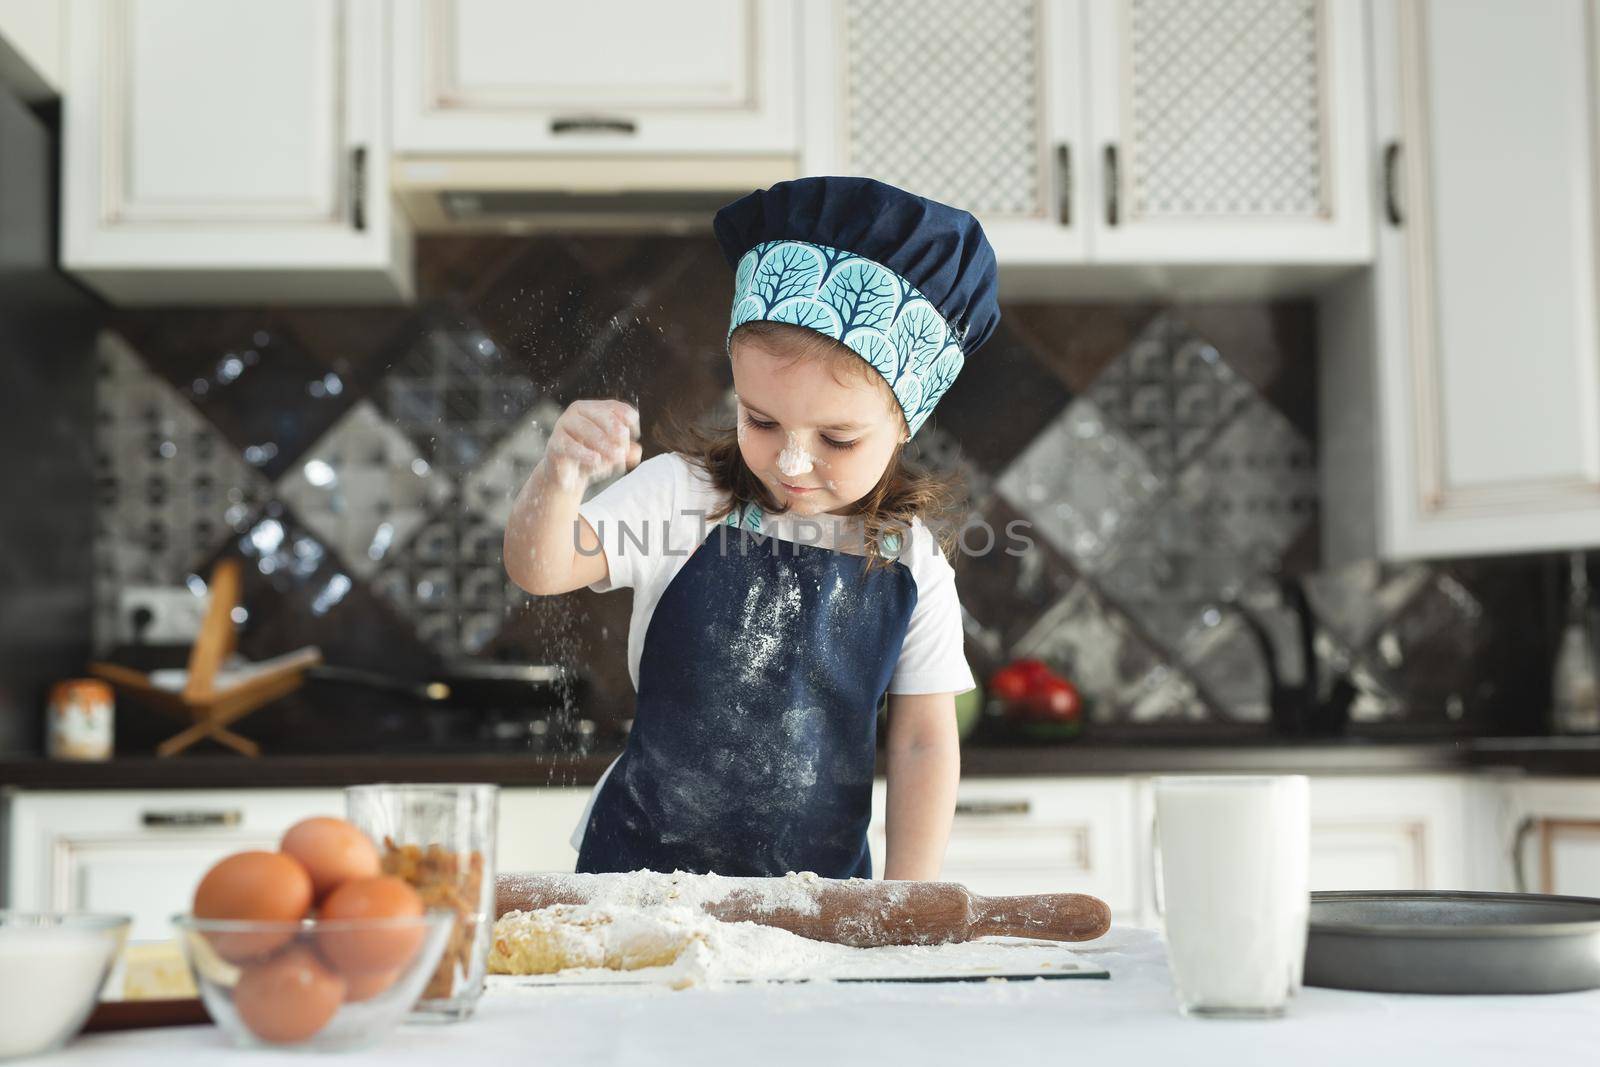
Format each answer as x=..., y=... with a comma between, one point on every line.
x=906, y=491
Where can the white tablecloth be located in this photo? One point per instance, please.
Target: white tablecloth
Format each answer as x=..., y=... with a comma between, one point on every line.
x=1130, y=1019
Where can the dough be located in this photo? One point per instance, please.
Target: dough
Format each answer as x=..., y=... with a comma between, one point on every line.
x=617, y=938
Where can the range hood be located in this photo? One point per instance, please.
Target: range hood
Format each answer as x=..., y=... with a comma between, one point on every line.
x=676, y=194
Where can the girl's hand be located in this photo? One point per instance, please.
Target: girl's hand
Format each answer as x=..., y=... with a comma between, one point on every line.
x=591, y=439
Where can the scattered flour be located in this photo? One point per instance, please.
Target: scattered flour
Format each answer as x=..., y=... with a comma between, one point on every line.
x=678, y=947
x=794, y=892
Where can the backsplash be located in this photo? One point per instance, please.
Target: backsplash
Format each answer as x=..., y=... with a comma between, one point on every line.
x=361, y=462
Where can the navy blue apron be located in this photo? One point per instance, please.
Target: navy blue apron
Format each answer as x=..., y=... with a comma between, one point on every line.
x=755, y=734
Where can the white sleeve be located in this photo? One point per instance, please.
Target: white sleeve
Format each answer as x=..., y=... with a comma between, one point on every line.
x=630, y=518
x=933, y=658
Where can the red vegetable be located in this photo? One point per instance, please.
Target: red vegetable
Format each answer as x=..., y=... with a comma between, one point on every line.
x=1055, y=699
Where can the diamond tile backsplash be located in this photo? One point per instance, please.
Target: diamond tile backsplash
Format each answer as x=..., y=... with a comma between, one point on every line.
x=1160, y=460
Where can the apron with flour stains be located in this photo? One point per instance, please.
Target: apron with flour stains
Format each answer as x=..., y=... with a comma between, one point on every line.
x=755, y=737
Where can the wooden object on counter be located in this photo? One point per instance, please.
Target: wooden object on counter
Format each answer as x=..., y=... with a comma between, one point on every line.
x=858, y=912
x=211, y=699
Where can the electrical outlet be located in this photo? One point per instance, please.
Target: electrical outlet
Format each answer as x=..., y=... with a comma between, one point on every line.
x=159, y=615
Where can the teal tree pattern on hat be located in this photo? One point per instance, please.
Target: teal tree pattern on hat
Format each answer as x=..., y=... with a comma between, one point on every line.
x=861, y=303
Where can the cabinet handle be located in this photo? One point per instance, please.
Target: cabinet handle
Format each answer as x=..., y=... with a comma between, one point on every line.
x=1113, y=201
x=1064, y=183
x=183, y=819
x=986, y=808
x=627, y=127
x=1391, y=183
x=1518, y=840
x=358, y=188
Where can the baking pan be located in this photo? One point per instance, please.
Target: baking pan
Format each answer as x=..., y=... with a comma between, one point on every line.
x=1425, y=942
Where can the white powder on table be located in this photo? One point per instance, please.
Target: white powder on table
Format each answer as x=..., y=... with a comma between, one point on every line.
x=794, y=892
x=679, y=947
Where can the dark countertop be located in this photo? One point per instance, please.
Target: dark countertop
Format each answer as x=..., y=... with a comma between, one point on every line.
x=1552, y=756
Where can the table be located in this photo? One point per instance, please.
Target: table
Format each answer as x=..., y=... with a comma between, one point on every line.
x=1130, y=1019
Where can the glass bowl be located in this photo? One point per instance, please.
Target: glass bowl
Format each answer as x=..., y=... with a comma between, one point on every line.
x=52, y=966
x=318, y=985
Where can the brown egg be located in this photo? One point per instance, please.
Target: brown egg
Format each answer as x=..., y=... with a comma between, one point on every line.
x=257, y=886
x=365, y=986
x=332, y=851
x=355, y=952
x=289, y=997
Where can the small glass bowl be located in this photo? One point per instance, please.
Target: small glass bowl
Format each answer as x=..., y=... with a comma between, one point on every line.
x=52, y=966
x=317, y=985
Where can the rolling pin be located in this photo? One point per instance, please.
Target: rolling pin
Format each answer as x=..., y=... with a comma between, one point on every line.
x=858, y=912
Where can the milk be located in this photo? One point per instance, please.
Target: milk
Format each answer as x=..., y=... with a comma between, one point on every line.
x=48, y=982
x=1234, y=855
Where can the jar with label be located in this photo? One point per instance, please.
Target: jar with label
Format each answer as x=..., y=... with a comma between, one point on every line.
x=78, y=722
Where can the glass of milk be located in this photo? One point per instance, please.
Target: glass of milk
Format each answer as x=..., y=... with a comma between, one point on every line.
x=1235, y=893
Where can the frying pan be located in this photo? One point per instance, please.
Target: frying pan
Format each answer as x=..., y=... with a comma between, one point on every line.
x=1433, y=942
x=465, y=685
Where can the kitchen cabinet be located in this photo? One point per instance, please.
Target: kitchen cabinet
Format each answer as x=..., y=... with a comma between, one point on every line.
x=1227, y=132
x=1038, y=835
x=1390, y=833
x=140, y=853
x=1461, y=378
x=603, y=78
x=143, y=852
x=228, y=150
x=1555, y=845
x=1147, y=133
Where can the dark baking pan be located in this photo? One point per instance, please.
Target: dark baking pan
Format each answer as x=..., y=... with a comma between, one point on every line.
x=1422, y=942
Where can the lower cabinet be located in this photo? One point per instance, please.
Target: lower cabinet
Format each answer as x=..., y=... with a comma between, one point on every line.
x=1554, y=841
x=142, y=852
x=1039, y=835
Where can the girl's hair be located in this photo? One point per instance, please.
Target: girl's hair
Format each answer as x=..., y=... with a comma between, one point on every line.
x=906, y=491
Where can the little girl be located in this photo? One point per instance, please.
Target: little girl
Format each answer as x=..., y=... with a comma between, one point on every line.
x=783, y=580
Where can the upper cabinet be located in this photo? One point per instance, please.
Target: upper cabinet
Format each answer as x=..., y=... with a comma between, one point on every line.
x=1149, y=132
x=1230, y=132
x=219, y=150
x=969, y=104
x=1474, y=339
x=506, y=77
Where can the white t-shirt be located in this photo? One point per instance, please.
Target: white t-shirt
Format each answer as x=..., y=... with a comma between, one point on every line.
x=649, y=520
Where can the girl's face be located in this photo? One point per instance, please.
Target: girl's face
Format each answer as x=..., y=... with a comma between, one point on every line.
x=818, y=439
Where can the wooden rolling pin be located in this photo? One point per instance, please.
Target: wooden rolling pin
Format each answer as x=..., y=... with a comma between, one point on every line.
x=856, y=912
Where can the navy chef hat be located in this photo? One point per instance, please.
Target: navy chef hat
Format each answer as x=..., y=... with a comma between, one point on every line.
x=908, y=284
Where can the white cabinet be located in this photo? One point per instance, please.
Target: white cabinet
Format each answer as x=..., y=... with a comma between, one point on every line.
x=975, y=105
x=1038, y=835
x=1228, y=132
x=1474, y=339
x=143, y=852
x=535, y=829
x=1137, y=132
x=538, y=77
x=140, y=853
x=1556, y=840
x=229, y=150
x=1390, y=833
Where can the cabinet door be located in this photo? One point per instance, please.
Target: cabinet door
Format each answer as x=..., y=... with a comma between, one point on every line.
x=1032, y=835
x=536, y=827
x=1228, y=132
x=1389, y=833
x=600, y=77
x=975, y=105
x=141, y=854
x=229, y=149
x=1489, y=362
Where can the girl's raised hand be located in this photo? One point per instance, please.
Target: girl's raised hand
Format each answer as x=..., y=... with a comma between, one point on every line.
x=591, y=439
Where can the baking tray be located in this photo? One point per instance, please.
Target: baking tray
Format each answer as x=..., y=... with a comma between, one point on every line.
x=1431, y=942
